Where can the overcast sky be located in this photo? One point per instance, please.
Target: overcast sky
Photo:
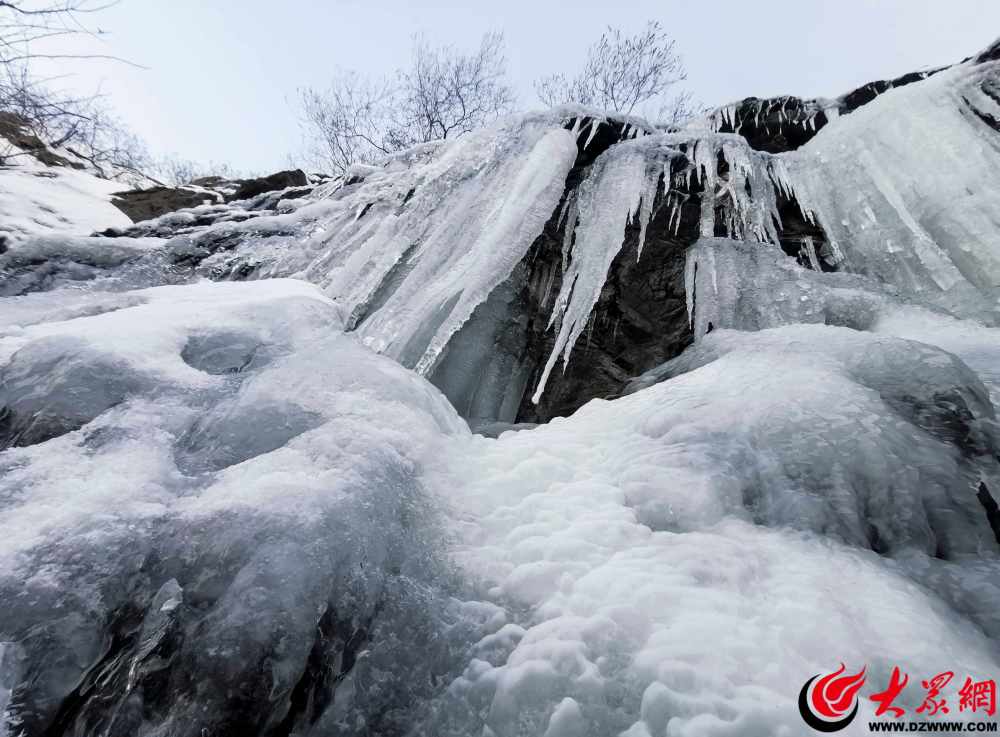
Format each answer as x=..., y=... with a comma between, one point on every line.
x=222, y=73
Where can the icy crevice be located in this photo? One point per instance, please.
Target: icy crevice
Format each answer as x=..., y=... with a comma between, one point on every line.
x=623, y=180
x=755, y=112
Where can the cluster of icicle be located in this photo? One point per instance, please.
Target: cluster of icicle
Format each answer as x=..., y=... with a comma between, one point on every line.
x=411, y=248
x=737, y=114
x=621, y=189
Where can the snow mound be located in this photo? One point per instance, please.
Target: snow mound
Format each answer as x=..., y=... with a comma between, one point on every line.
x=220, y=477
x=35, y=199
x=674, y=552
x=250, y=512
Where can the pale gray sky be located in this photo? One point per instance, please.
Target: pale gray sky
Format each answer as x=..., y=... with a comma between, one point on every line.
x=222, y=73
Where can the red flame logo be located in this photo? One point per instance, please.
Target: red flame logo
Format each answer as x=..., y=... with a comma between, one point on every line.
x=830, y=703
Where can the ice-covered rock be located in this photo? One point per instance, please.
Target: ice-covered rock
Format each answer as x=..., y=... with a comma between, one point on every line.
x=255, y=508
x=217, y=522
x=905, y=186
x=682, y=553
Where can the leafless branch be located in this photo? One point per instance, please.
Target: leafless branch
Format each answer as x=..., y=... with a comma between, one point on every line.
x=622, y=73
x=442, y=94
x=43, y=119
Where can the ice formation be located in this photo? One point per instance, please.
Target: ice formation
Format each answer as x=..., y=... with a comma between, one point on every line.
x=622, y=187
x=735, y=284
x=906, y=187
x=689, y=539
x=233, y=503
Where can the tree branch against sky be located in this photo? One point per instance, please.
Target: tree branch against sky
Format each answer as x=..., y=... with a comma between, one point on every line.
x=82, y=123
x=444, y=92
x=625, y=74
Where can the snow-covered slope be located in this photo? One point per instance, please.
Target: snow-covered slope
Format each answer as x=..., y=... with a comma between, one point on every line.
x=258, y=508
x=45, y=189
x=35, y=198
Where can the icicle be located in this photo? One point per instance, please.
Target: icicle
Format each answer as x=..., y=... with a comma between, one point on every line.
x=550, y=279
x=653, y=176
x=675, y=215
x=690, y=271
x=608, y=200
x=594, y=125
x=569, y=229
x=622, y=186
x=567, y=203
x=810, y=247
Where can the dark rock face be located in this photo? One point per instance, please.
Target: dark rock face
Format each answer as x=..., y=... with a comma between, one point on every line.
x=785, y=123
x=777, y=124
x=868, y=92
x=990, y=54
x=279, y=180
x=146, y=204
x=639, y=321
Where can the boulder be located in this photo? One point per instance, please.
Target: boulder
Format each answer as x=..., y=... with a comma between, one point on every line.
x=279, y=180
x=146, y=204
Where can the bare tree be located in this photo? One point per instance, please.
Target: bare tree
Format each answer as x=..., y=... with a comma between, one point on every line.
x=347, y=123
x=82, y=124
x=447, y=93
x=24, y=23
x=177, y=171
x=443, y=93
x=624, y=74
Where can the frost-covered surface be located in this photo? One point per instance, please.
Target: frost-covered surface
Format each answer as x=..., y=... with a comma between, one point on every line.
x=735, y=284
x=87, y=262
x=222, y=511
x=906, y=186
x=976, y=344
x=227, y=472
x=693, y=539
x=45, y=190
x=241, y=470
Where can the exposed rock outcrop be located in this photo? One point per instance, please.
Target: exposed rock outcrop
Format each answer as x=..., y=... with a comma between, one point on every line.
x=146, y=204
x=279, y=180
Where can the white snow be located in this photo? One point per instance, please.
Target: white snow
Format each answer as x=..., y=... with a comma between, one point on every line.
x=38, y=199
x=649, y=566
x=703, y=540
